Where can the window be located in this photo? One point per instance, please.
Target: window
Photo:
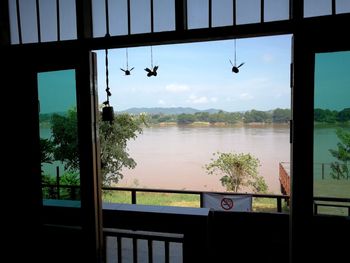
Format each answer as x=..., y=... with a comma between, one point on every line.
x=195, y=107
x=332, y=132
x=59, y=137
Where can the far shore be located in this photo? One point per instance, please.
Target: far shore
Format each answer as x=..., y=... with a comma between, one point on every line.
x=218, y=124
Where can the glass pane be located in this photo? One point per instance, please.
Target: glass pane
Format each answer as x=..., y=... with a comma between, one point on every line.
x=222, y=13
x=276, y=10
x=332, y=130
x=248, y=11
x=164, y=15
x=140, y=16
x=118, y=17
x=342, y=6
x=13, y=22
x=59, y=138
x=197, y=13
x=98, y=18
x=68, y=20
x=28, y=21
x=317, y=8
x=48, y=20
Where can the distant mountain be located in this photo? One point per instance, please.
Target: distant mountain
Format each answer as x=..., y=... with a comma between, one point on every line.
x=168, y=111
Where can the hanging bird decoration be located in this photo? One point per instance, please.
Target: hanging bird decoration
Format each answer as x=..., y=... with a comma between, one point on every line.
x=127, y=71
x=153, y=70
x=235, y=68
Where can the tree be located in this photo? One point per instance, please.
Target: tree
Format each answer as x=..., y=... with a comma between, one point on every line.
x=281, y=115
x=65, y=139
x=185, y=119
x=340, y=168
x=46, y=151
x=113, y=143
x=238, y=170
x=344, y=115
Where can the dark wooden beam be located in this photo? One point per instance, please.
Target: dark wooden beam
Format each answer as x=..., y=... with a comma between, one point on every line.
x=180, y=15
x=84, y=19
x=302, y=148
x=296, y=9
x=5, y=36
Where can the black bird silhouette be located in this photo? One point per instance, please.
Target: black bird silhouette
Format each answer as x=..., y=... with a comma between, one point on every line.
x=235, y=68
x=152, y=72
x=127, y=71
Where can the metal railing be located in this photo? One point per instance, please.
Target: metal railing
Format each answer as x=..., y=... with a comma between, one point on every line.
x=72, y=192
x=320, y=201
x=324, y=171
x=61, y=191
x=150, y=237
x=200, y=194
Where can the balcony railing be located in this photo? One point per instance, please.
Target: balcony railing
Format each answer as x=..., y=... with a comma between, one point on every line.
x=72, y=192
x=134, y=193
x=139, y=250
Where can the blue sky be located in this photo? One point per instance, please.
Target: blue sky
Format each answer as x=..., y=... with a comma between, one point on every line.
x=199, y=75
x=332, y=80
x=57, y=91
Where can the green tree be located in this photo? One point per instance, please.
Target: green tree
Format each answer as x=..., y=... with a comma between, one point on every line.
x=344, y=115
x=281, y=115
x=185, y=118
x=46, y=151
x=238, y=170
x=340, y=168
x=325, y=115
x=65, y=139
x=113, y=141
x=257, y=116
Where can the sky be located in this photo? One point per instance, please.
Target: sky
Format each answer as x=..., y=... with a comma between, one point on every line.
x=332, y=80
x=56, y=90
x=199, y=75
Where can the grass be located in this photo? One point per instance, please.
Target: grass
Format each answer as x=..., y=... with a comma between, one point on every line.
x=145, y=198
x=182, y=200
x=332, y=188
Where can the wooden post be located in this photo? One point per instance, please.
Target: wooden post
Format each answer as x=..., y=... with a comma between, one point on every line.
x=133, y=196
x=58, y=181
x=279, y=204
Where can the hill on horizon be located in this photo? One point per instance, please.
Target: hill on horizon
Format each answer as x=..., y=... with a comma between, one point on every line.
x=168, y=110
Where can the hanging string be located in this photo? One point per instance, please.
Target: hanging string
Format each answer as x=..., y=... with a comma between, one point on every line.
x=127, y=59
x=107, y=80
x=235, y=54
x=151, y=58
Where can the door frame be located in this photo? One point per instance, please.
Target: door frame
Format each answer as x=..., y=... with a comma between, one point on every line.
x=84, y=62
x=306, y=43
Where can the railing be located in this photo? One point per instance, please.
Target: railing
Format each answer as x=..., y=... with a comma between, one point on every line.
x=166, y=238
x=134, y=191
x=61, y=191
x=331, y=202
x=323, y=171
x=72, y=193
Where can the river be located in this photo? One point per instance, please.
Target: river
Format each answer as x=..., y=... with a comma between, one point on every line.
x=174, y=157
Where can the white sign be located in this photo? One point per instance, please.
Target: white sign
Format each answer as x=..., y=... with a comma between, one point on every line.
x=228, y=202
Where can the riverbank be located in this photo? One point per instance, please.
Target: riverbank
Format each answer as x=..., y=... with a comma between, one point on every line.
x=218, y=124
